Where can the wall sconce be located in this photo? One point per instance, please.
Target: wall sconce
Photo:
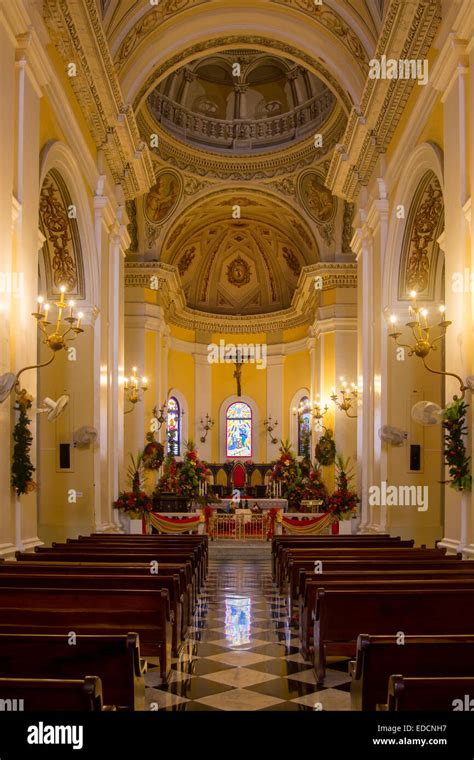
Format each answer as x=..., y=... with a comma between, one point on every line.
x=270, y=426
x=57, y=339
x=206, y=426
x=348, y=396
x=315, y=409
x=424, y=342
x=162, y=415
x=134, y=392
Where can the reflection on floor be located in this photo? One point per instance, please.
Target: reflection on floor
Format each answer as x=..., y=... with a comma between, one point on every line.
x=242, y=654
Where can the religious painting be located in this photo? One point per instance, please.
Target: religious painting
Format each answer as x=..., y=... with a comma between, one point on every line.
x=163, y=197
x=239, y=430
x=316, y=198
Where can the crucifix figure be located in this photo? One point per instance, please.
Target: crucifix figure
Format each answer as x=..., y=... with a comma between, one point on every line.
x=238, y=373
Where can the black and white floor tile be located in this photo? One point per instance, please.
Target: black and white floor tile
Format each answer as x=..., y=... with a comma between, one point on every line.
x=242, y=654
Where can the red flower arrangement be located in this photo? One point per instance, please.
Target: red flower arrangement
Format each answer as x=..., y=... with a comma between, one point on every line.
x=343, y=502
x=134, y=503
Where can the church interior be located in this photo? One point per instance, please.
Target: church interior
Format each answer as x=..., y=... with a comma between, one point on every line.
x=236, y=365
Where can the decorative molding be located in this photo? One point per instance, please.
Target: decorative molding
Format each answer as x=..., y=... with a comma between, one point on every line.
x=77, y=32
x=407, y=33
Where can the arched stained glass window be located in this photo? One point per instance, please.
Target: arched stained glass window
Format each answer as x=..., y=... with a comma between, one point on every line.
x=304, y=425
x=239, y=430
x=173, y=427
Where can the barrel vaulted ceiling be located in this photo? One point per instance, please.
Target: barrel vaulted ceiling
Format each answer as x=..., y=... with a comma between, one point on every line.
x=289, y=138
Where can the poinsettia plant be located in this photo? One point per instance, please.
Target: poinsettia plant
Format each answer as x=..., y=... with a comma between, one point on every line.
x=343, y=502
x=136, y=503
x=186, y=478
x=454, y=419
x=299, y=480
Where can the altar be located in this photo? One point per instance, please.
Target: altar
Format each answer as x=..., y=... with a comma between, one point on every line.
x=262, y=504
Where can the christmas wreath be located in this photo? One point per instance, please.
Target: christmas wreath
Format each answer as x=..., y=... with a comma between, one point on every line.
x=153, y=453
x=22, y=466
x=326, y=449
x=454, y=418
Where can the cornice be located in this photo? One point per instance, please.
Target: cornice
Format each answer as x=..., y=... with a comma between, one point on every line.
x=138, y=275
x=76, y=30
x=407, y=33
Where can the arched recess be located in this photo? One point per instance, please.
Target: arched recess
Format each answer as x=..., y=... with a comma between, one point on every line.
x=183, y=405
x=68, y=475
x=293, y=418
x=413, y=252
x=255, y=427
x=270, y=28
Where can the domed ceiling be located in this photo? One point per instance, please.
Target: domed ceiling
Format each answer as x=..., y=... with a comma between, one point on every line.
x=241, y=100
x=239, y=266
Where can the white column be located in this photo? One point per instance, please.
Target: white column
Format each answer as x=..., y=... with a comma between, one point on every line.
x=274, y=400
x=134, y=421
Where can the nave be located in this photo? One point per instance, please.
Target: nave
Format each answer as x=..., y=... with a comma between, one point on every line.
x=241, y=653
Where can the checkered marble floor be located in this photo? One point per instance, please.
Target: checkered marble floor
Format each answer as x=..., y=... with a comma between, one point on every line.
x=242, y=654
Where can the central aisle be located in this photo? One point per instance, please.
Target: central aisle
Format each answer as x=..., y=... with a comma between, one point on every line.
x=242, y=654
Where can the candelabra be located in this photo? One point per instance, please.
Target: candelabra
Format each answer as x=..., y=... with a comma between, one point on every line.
x=206, y=426
x=348, y=396
x=270, y=426
x=422, y=332
x=133, y=390
x=162, y=415
x=56, y=339
x=315, y=409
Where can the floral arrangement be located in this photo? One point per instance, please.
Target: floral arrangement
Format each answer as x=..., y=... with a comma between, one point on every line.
x=300, y=480
x=454, y=419
x=186, y=478
x=136, y=503
x=343, y=502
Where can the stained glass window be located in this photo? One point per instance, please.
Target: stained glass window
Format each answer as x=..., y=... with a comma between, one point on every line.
x=239, y=430
x=173, y=433
x=304, y=425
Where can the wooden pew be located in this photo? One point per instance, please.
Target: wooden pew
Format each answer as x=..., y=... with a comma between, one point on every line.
x=80, y=580
x=378, y=657
x=180, y=571
x=38, y=694
x=114, y=659
x=409, y=580
x=433, y=694
x=92, y=611
x=296, y=562
x=340, y=616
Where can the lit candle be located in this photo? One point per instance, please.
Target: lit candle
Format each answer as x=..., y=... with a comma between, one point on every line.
x=71, y=304
x=79, y=317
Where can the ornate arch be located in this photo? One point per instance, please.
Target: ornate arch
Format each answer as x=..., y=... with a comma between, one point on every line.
x=61, y=185
x=423, y=170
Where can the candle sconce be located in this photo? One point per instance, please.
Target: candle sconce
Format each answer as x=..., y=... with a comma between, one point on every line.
x=162, y=415
x=316, y=409
x=348, y=396
x=206, y=426
x=133, y=390
x=270, y=426
x=57, y=339
x=423, y=340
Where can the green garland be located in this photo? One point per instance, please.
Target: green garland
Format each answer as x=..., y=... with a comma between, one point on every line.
x=454, y=414
x=326, y=449
x=22, y=466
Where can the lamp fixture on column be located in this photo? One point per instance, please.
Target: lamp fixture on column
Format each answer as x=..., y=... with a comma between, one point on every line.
x=348, y=396
x=162, y=415
x=133, y=390
x=206, y=426
x=316, y=409
x=56, y=339
x=270, y=426
x=423, y=340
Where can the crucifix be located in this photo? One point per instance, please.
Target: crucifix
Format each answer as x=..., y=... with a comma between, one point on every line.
x=238, y=372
